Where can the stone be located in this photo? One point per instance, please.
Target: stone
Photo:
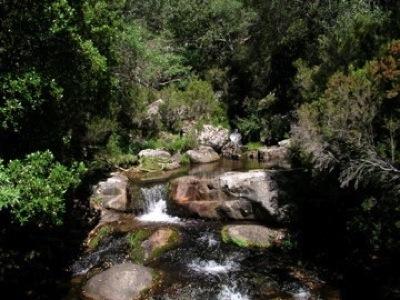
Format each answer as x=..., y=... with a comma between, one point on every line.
x=250, y=235
x=155, y=153
x=203, y=154
x=232, y=210
x=112, y=194
x=125, y=281
x=231, y=151
x=160, y=241
x=256, y=186
x=274, y=156
x=215, y=137
x=230, y=195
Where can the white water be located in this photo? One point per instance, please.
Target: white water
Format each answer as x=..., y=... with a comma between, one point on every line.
x=158, y=213
x=302, y=294
x=209, y=239
x=231, y=293
x=156, y=206
x=211, y=267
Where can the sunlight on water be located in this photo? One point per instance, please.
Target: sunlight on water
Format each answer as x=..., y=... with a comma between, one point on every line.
x=212, y=267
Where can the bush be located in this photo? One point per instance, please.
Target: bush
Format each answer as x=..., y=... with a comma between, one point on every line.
x=34, y=189
x=197, y=102
x=173, y=143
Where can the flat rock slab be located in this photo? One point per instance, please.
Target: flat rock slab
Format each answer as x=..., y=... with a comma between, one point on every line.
x=121, y=282
x=252, y=235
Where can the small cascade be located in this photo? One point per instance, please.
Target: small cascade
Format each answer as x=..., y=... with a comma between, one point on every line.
x=212, y=267
x=231, y=292
x=156, y=205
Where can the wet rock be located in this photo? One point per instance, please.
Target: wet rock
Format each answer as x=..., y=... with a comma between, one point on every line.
x=252, y=235
x=191, y=188
x=276, y=156
x=125, y=281
x=159, y=153
x=160, y=241
x=203, y=154
x=234, y=209
x=112, y=194
x=215, y=137
x=231, y=151
x=235, y=195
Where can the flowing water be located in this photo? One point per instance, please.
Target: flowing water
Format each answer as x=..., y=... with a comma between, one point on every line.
x=203, y=267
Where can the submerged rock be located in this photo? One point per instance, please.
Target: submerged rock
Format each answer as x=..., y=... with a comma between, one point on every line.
x=252, y=235
x=112, y=194
x=215, y=137
x=231, y=195
x=203, y=154
x=125, y=281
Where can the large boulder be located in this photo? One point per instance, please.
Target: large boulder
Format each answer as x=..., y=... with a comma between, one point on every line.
x=112, y=194
x=215, y=137
x=125, y=281
x=250, y=235
x=203, y=154
x=256, y=186
x=155, y=153
x=232, y=195
x=151, y=160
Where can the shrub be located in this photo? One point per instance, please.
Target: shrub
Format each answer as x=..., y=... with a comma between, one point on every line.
x=33, y=189
x=197, y=102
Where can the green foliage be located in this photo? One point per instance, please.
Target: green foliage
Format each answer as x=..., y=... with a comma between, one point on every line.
x=185, y=160
x=352, y=129
x=135, y=240
x=253, y=146
x=151, y=164
x=263, y=121
x=33, y=189
x=24, y=96
x=173, y=143
x=197, y=102
x=100, y=235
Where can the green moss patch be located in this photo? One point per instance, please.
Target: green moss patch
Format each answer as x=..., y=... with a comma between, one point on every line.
x=173, y=241
x=135, y=240
x=101, y=233
x=226, y=238
x=151, y=164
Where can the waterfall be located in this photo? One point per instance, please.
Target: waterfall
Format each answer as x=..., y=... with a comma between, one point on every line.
x=156, y=205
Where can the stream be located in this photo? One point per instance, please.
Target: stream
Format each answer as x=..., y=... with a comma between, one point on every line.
x=203, y=266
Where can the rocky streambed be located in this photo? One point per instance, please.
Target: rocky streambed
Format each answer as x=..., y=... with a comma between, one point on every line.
x=218, y=231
